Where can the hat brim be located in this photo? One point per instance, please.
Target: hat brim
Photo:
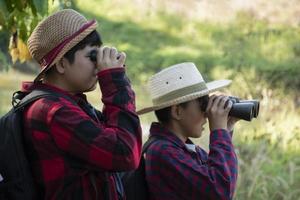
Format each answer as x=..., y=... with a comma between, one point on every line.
x=66, y=48
x=211, y=87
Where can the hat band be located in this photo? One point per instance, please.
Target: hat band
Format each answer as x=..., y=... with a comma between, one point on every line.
x=179, y=93
x=49, y=57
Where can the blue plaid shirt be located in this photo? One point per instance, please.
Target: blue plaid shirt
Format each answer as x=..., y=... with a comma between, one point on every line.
x=178, y=170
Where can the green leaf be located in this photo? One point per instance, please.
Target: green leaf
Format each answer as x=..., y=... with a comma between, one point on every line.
x=2, y=20
x=3, y=9
x=32, y=6
x=4, y=14
x=22, y=31
x=9, y=5
x=41, y=6
x=33, y=23
x=18, y=4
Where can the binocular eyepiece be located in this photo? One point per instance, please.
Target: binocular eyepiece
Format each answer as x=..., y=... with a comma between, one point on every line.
x=93, y=55
x=244, y=109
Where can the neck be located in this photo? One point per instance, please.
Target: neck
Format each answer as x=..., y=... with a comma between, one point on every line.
x=177, y=130
x=56, y=82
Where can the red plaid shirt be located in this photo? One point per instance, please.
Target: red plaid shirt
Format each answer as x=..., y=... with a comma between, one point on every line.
x=71, y=152
x=176, y=171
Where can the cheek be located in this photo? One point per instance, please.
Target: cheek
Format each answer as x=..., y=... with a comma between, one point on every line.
x=86, y=71
x=196, y=123
x=193, y=121
x=196, y=118
x=83, y=77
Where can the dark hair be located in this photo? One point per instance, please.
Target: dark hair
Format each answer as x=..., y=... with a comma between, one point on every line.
x=93, y=39
x=164, y=115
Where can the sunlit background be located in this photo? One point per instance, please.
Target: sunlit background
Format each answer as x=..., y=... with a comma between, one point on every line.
x=256, y=43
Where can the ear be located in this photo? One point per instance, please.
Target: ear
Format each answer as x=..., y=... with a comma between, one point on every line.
x=176, y=112
x=61, y=66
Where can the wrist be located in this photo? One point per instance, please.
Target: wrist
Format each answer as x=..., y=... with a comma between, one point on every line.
x=218, y=126
x=111, y=80
x=108, y=70
x=220, y=134
x=112, y=67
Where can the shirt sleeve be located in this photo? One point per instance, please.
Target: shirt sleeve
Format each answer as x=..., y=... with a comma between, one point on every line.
x=113, y=145
x=171, y=167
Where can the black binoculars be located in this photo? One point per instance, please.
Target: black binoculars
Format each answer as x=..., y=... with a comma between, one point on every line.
x=93, y=55
x=244, y=109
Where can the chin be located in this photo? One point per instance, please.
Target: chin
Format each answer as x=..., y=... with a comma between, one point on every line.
x=92, y=88
x=196, y=135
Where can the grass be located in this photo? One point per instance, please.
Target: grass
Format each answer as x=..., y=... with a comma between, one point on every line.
x=9, y=82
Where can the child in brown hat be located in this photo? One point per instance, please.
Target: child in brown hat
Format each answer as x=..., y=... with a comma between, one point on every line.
x=75, y=150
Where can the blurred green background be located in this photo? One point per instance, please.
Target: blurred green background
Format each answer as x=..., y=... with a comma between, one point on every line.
x=255, y=43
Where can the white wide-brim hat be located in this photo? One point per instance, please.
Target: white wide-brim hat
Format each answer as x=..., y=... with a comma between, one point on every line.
x=178, y=84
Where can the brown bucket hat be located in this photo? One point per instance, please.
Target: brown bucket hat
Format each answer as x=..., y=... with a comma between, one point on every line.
x=56, y=35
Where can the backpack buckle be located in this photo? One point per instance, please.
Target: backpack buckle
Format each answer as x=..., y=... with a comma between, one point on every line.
x=16, y=98
x=1, y=178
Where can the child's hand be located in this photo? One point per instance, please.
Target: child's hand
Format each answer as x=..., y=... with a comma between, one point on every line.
x=217, y=113
x=109, y=57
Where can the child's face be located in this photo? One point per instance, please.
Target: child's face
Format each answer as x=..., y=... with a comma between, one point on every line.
x=192, y=119
x=81, y=75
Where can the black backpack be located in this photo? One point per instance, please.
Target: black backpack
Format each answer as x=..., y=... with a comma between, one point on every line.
x=16, y=181
x=134, y=182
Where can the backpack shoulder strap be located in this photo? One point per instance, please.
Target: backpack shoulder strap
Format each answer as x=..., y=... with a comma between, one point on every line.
x=31, y=97
x=35, y=95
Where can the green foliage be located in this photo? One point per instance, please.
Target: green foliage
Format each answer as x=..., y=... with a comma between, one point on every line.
x=18, y=18
x=155, y=41
x=266, y=173
x=4, y=62
x=22, y=15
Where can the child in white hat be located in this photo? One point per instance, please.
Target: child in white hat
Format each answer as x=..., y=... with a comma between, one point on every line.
x=176, y=169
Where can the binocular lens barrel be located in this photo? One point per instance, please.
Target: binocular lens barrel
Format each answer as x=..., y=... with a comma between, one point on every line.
x=244, y=109
x=255, y=106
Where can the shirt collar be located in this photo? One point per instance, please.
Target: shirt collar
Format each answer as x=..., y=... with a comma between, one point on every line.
x=191, y=147
x=157, y=129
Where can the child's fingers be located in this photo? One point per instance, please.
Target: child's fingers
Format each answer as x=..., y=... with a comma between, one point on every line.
x=113, y=53
x=216, y=102
x=106, y=54
x=99, y=56
x=228, y=106
x=222, y=102
x=121, y=58
x=210, y=102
